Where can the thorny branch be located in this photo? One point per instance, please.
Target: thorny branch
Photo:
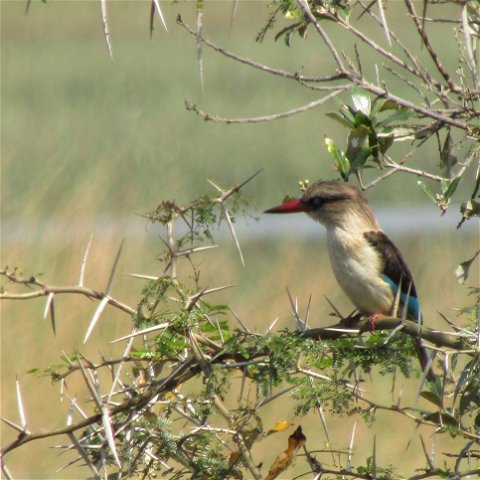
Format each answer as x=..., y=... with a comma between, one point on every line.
x=453, y=86
x=45, y=290
x=265, y=118
x=192, y=366
x=448, y=100
x=344, y=73
x=120, y=413
x=247, y=61
x=126, y=403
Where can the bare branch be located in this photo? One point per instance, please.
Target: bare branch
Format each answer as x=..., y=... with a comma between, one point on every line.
x=265, y=118
x=433, y=54
x=46, y=290
x=259, y=66
x=417, y=108
x=305, y=7
x=441, y=339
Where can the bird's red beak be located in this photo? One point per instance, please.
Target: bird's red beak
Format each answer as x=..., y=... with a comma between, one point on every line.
x=292, y=206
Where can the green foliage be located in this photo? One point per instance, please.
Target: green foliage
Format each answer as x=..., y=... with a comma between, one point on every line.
x=186, y=371
x=291, y=10
x=333, y=396
x=389, y=353
x=372, y=131
x=373, y=470
x=448, y=186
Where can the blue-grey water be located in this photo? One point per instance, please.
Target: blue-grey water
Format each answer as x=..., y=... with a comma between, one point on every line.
x=405, y=220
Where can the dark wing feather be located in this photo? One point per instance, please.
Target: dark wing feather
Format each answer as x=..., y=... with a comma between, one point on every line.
x=395, y=270
x=394, y=267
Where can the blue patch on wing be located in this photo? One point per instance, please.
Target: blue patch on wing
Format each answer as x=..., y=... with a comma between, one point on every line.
x=413, y=306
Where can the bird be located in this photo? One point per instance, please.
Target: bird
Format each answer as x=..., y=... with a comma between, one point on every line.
x=367, y=265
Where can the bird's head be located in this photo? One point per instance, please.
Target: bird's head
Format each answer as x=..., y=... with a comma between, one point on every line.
x=330, y=203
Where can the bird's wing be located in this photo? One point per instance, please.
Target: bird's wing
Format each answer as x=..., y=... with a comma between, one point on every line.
x=395, y=270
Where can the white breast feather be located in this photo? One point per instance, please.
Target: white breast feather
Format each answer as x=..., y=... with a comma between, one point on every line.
x=357, y=268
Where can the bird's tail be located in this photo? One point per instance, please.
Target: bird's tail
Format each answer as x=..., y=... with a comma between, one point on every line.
x=423, y=357
x=425, y=360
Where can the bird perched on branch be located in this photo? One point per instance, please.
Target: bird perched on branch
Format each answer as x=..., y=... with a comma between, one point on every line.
x=366, y=263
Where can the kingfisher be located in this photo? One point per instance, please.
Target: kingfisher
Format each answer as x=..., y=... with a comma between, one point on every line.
x=367, y=265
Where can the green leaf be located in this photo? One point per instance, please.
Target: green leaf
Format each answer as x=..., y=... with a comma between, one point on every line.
x=373, y=143
x=436, y=388
x=385, y=142
x=400, y=134
x=465, y=378
x=357, y=150
x=376, y=108
x=341, y=161
x=401, y=115
x=287, y=38
x=361, y=100
x=448, y=159
x=432, y=397
x=362, y=120
x=360, y=160
x=345, y=111
x=426, y=191
x=356, y=141
x=340, y=119
x=389, y=105
x=452, y=186
x=444, y=183
x=442, y=418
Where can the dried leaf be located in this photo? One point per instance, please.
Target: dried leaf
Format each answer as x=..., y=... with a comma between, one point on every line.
x=232, y=459
x=282, y=462
x=470, y=208
x=280, y=426
x=141, y=378
x=448, y=159
x=461, y=272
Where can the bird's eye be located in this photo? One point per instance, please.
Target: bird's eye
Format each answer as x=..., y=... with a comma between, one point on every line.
x=317, y=202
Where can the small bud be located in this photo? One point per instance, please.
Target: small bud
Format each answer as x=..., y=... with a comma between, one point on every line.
x=304, y=184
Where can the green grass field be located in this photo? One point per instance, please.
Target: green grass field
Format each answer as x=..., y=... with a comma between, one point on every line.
x=84, y=139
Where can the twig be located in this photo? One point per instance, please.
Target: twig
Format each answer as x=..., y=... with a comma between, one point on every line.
x=306, y=9
x=417, y=108
x=46, y=290
x=264, y=118
x=419, y=173
x=433, y=54
x=440, y=339
x=260, y=66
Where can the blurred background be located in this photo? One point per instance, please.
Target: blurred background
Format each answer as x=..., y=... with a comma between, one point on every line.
x=88, y=144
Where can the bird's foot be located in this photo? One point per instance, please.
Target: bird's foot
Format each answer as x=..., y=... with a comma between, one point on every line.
x=372, y=319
